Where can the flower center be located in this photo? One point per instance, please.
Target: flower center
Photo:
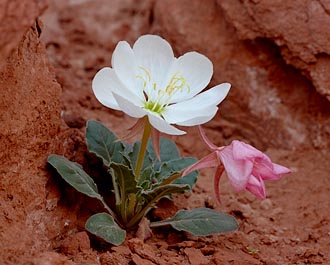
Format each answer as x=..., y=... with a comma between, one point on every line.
x=157, y=98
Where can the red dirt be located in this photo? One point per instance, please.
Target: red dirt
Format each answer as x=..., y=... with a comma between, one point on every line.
x=271, y=105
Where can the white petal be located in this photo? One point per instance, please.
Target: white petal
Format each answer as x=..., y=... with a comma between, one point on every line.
x=199, y=117
x=211, y=97
x=180, y=115
x=161, y=125
x=197, y=110
x=124, y=64
x=154, y=54
x=102, y=85
x=198, y=120
x=197, y=69
x=132, y=109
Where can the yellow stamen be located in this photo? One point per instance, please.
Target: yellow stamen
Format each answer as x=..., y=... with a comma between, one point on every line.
x=158, y=104
x=146, y=72
x=177, y=83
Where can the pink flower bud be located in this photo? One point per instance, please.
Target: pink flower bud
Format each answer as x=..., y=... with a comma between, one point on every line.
x=246, y=167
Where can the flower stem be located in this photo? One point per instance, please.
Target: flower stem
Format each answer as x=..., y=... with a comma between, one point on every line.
x=115, y=187
x=143, y=147
x=135, y=219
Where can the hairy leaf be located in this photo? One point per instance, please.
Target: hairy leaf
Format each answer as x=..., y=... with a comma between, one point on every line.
x=168, y=150
x=104, y=226
x=73, y=174
x=169, y=168
x=125, y=179
x=103, y=143
x=200, y=222
x=133, y=157
x=151, y=197
x=146, y=178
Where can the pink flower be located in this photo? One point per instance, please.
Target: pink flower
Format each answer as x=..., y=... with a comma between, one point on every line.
x=246, y=167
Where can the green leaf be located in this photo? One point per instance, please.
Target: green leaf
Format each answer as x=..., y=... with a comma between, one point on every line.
x=103, y=143
x=190, y=179
x=103, y=226
x=168, y=150
x=133, y=154
x=153, y=196
x=146, y=178
x=73, y=174
x=171, y=163
x=169, y=168
x=200, y=222
x=149, y=198
x=125, y=179
x=133, y=157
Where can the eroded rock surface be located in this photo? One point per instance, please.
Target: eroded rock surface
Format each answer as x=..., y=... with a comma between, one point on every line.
x=299, y=27
x=30, y=121
x=16, y=17
x=270, y=103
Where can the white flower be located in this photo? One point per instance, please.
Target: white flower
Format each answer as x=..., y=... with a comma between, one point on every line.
x=148, y=80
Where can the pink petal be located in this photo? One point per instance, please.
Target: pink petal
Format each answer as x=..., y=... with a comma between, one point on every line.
x=268, y=170
x=265, y=170
x=257, y=187
x=136, y=129
x=263, y=166
x=207, y=140
x=216, y=180
x=208, y=161
x=155, y=135
x=242, y=150
x=278, y=169
x=238, y=170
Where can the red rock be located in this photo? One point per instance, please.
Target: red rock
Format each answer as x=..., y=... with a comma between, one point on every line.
x=270, y=103
x=137, y=260
x=196, y=257
x=30, y=121
x=145, y=251
x=76, y=243
x=299, y=28
x=51, y=258
x=16, y=17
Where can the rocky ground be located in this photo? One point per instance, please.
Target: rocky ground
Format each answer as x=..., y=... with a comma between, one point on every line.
x=275, y=55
